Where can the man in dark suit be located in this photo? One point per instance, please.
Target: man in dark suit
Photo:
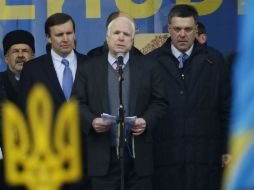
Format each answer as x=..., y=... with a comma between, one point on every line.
x=48, y=69
x=18, y=46
x=104, y=48
x=190, y=147
x=56, y=70
x=96, y=88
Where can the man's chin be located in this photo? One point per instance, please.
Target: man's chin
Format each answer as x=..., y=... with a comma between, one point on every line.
x=17, y=70
x=122, y=50
x=18, y=65
x=182, y=48
x=65, y=52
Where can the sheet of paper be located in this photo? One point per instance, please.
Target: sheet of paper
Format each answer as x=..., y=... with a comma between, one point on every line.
x=130, y=120
x=109, y=119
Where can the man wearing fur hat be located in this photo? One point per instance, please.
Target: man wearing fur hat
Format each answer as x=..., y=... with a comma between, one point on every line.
x=18, y=48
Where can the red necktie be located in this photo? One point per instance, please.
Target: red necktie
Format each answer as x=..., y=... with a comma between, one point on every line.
x=117, y=67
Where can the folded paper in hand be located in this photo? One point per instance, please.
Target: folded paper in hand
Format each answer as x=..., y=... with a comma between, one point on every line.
x=111, y=119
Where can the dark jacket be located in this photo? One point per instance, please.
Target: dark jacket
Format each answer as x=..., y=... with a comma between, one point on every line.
x=11, y=86
x=9, y=90
x=3, y=97
x=194, y=131
x=199, y=106
x=41, y=70
x=146, y=100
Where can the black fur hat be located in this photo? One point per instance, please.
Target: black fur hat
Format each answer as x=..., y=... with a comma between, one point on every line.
x=18, y=37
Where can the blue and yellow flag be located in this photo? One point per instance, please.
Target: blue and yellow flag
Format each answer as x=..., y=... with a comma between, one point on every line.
x=151, y=19
x=240, y=173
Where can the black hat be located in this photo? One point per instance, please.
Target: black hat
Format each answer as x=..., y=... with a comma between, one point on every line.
x=18, y=37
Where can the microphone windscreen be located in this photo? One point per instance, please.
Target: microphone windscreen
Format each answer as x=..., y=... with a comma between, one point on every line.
x=120, y=58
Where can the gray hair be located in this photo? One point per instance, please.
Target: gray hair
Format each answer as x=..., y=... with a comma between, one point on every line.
x=126, y=18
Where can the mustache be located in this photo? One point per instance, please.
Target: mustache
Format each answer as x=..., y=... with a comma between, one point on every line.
x=20, y=60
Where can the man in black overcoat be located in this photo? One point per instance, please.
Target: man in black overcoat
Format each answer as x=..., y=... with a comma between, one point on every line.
x=191, y=143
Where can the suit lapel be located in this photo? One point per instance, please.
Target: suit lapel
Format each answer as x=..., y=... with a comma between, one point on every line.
x=193, y=71
x=50, y=72
x=101, y=82
x=80, y=57
x=135, y=78
x=168, y=63
x=80, y=60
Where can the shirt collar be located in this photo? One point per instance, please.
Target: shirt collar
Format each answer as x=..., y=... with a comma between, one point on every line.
x=58, y=58
x=177, y=53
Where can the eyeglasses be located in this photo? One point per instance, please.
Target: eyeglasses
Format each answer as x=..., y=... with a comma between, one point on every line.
x=178, y=29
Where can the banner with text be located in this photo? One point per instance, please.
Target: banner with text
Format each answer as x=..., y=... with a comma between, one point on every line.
x=219, y=17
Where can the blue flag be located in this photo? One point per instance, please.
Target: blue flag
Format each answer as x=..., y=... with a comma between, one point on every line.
x=240, y=173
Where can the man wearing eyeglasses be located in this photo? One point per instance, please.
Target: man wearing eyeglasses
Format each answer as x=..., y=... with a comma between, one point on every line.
x=190, y=143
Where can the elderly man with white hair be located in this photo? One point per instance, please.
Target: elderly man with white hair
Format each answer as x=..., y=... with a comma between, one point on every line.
x=96, y=88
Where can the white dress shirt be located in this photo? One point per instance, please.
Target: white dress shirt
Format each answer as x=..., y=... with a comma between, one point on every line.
x=59, y=67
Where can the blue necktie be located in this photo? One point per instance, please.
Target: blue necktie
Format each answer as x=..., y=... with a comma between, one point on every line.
x=67, y=79
x=181, y=59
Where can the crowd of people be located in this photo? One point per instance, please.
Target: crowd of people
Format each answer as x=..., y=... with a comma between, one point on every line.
x=179, y=95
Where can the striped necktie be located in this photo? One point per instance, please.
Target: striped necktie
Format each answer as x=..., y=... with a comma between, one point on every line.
x=181, y=60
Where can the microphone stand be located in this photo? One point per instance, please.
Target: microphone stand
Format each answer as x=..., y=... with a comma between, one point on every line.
x=121, y=135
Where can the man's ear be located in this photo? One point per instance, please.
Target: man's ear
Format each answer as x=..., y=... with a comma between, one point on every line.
x=107, y=38
x=204, y=37
x=6, y=58
x=168, y=27
x=48, y=39
x=196, y=28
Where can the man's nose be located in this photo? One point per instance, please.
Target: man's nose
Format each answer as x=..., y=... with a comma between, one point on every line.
x=182, y=32
x=20, y=53
x=65, y=37
x=121, y=36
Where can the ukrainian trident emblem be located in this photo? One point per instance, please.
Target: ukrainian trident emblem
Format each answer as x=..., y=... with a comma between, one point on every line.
x=38, y=154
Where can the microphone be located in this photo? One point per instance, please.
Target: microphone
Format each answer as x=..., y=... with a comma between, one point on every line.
x=120, y=59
